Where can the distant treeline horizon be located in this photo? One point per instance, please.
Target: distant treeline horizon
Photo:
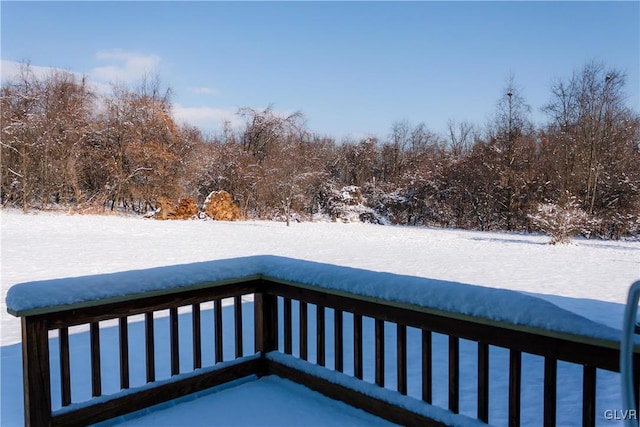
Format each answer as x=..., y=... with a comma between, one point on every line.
x=65, y=146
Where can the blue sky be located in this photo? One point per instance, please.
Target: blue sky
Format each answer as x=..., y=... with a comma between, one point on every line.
x=353, y=68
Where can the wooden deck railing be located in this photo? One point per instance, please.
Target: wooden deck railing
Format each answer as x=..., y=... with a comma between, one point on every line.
x=271, y=295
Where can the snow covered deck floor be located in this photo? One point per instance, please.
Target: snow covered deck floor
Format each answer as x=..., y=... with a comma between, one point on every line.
x=268, y=401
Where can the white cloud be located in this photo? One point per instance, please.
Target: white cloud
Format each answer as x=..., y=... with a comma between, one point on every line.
x=126, y=66
x=207, y=117
x=213, y=119
x=203, y=90
x=119, y=66
x=11, y=69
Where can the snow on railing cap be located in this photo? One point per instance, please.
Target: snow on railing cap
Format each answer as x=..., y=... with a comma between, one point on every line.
x=494, y=305
x=60, y=294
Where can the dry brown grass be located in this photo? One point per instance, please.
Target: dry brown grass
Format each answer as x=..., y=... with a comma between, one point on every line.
x=219, y=206
x=187, y=208
x=166, y=209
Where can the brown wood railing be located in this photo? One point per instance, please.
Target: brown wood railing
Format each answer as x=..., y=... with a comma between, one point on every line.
x=269, y=294
x=37, y=370
x=591, y=354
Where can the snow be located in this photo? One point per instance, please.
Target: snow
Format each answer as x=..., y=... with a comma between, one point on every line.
x=280, y=401
x=586, y=282
x=371, y=390
x=125, y=285
x=493, y=304
x=155, y=384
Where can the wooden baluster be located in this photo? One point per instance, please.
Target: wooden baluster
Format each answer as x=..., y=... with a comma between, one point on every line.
x=217, y=311
x=303, y=330
x=357, y=345
x=338, y=342
x=454, y=374
x=515, y=380
x=288, y=330
x=550, y=391
x=237, y=324
x=65, y=370
x=483, y=382
x=175, y=341
x=320, y=341
x=123, y=335
x=427, y=366
x=402, y=359
x=36, y=372
x=196, y=328
x=379, y=336
x=149, y=347
x=589, y=396
x=96, y=377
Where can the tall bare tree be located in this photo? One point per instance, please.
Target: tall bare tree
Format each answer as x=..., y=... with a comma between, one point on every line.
x=265, y=129
x=461, y=136
x=22, y=125
x=595, y=135
x=68, y=106
x=511, y=140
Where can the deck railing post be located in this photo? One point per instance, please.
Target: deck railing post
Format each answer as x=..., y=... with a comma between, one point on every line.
x=266, y=322
x=36, y=372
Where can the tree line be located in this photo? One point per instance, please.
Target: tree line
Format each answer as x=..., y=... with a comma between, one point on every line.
x=64, y=145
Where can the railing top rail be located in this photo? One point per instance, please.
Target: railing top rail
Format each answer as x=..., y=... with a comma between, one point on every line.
x=56, y=295
x=495, y=307
x=613, y=342
x=134, y=296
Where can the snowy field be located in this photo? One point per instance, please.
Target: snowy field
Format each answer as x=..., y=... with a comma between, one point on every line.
x=589, y=278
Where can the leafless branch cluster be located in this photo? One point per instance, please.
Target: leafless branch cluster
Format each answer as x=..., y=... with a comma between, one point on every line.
x=63, y=145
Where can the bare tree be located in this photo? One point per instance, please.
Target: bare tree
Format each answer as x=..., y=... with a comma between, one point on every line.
x=595, y=134
x=292, y=170
x=68, y=106
x=143, y=146
x=59, y=145
x=511, y=146
x=395, y=150
x=22, y=124
x=461, y=135
x=265, y=128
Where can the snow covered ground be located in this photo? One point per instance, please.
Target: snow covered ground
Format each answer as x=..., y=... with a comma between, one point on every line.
x=269, y=401
x=590, y=278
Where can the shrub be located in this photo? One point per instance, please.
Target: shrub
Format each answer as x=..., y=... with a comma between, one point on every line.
x=561, y=221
